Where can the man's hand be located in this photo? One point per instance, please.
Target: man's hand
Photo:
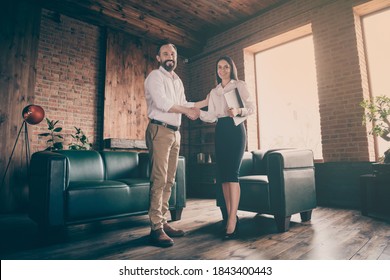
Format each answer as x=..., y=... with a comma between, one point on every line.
x=193, y=113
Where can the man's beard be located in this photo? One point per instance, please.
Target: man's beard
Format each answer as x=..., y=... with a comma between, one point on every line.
x=169, y=65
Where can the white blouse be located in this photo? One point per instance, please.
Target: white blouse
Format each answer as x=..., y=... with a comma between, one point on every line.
x=218, y=108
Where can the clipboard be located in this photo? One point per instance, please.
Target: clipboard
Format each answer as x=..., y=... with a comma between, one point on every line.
x=233, y=100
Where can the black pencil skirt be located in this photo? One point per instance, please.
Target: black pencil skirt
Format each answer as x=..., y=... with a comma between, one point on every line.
x=230, y=142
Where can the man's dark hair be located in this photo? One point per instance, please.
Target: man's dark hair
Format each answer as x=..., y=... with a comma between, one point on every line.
x=163, y=44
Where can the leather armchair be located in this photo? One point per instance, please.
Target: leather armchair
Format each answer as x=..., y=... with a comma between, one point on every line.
x=276, y=182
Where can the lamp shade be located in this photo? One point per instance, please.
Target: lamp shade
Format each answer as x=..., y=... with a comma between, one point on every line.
x=33, y=114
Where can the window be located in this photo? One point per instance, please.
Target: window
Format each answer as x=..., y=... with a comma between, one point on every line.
x=287, y=96
x=377, y=43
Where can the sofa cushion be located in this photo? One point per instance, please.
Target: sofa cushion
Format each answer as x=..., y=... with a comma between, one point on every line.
x=120, y=165
x=261, y=179
x=96, y=198
x=135, y=182
x=83, y=165
x=139, y=191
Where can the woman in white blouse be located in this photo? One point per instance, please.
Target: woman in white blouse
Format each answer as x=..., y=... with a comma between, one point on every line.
x=230, y=133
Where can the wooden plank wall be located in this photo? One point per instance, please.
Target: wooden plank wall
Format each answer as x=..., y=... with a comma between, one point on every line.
x=19, y=32
x=128, y=61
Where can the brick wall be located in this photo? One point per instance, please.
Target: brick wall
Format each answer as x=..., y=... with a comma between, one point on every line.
x=342, y=78
x=70, y=78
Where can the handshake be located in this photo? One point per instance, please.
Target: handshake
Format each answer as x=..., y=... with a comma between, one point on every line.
x=192, y=113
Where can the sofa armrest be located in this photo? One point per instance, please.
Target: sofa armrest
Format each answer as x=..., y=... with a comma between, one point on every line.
x=181, y=185
x=291, y=180
x=47, y=182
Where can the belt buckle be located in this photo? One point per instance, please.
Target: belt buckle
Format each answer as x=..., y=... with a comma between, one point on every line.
x=164, y=124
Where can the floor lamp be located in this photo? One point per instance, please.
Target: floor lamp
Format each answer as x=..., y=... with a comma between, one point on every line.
x=32, y=114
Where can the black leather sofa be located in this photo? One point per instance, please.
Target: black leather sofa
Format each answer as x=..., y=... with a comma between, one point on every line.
x=69, y=187
x=276, y=182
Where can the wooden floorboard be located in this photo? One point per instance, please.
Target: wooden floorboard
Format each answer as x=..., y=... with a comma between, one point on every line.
x=332, y=234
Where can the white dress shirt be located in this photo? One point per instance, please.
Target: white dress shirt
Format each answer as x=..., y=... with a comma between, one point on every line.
x=162, y=91
x=218, y=108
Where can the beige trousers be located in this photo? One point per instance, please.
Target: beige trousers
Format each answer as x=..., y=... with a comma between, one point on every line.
x=164, y=146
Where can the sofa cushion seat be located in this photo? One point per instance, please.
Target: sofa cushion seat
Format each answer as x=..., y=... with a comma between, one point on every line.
x=135, y=182
x=260, y=179
x=139, y=192
x=93, y=199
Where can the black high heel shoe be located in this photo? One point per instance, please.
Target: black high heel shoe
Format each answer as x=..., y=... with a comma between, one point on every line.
x=234, y=234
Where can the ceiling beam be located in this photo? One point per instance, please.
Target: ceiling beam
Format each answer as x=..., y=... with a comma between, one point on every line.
x=121, y=15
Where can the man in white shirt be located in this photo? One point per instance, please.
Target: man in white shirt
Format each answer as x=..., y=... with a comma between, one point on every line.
x=164, y=92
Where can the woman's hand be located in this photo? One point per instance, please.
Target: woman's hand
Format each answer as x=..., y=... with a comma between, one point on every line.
x=233, y=112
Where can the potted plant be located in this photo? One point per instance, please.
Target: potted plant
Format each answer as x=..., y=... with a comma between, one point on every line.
x=55, y=138
x=378, y=112
x=81, y=141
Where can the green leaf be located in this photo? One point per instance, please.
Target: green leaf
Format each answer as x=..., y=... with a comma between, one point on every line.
x=58, y=145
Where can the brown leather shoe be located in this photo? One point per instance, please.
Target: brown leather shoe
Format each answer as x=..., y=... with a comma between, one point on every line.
x=172, y=232
x=160, y=238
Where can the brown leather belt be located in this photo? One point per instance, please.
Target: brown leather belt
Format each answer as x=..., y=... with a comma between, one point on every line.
x=174, y=128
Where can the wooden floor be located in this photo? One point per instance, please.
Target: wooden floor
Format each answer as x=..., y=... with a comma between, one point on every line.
x=332, y=234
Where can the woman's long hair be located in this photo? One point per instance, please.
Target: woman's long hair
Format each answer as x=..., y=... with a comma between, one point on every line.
x=233, y=68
